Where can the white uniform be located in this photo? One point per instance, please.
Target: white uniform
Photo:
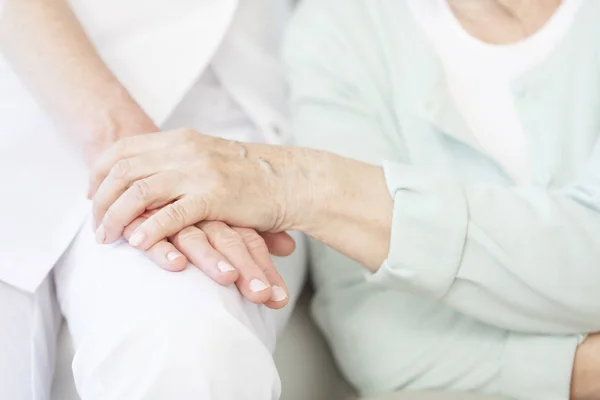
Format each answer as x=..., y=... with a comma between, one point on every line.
x=138, y=331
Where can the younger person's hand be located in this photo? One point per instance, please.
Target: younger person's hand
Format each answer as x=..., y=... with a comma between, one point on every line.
x=227, y=255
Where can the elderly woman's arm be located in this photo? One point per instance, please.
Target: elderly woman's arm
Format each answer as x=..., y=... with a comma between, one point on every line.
x=329, y=105
x=331, y=111
x=518, y=258
x=273, y=189
x=478, y=248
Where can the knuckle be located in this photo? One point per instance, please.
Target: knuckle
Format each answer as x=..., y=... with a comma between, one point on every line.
x=199, y=204
x=141, y=190
x=227, y=239
x=212, y=226
x=252, y=239
x=121, y=169
x=121, y=146
x=176, y=212
x=190, y=234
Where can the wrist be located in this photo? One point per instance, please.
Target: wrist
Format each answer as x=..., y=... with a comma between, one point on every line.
x=343, y=189
x=114, y=116
x=297, y=187
x=346, y=205
x=328, y=189
x=309, y=187
x=118, y=118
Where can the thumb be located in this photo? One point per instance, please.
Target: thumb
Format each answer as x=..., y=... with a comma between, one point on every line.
x=279, y=244
x=168, y=221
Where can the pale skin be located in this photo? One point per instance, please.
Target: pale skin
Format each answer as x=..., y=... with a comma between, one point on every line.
x=341, y=202
x=50, y=52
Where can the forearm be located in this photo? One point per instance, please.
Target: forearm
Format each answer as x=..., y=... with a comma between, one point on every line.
x=477, y=247
x=348, y=207
x=50, y=52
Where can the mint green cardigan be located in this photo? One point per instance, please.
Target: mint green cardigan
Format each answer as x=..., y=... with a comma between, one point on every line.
x=488, y=286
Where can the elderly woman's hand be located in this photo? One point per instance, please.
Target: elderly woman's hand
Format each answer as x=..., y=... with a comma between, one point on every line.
x=180, y=185
x=192, y=178
x=189, y=178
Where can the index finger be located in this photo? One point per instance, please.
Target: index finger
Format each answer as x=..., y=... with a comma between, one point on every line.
x=124, y=148
x=169, y=220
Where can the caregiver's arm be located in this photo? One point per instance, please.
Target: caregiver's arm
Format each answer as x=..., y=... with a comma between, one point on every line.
x=48, y=49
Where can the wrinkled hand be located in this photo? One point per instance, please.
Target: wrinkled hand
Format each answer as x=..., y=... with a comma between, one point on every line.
x=190, y=178
x=227, y=255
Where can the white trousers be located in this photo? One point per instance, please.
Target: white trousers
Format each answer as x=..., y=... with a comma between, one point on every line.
x=140, y=332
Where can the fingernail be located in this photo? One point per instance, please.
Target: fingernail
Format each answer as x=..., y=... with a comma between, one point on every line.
x=224, y=267
x=137, y=238
x=278, y=293
x=257, y=285
x=172, y=256
x=100, y=234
